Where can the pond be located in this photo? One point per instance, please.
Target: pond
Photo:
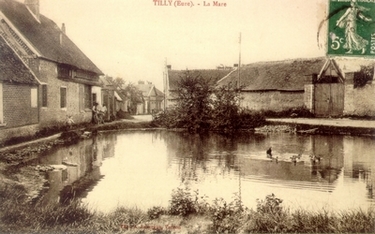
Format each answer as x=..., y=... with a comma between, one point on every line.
x=141, y=168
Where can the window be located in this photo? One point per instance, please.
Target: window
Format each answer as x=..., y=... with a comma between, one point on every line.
x=63, y=71
x=44, y=95
x=87, y=97
x=94, y=98
x=63, y=97
x=34, y=97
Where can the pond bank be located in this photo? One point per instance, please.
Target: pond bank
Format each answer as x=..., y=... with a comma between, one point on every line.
x=122, y=218
x=343, y=126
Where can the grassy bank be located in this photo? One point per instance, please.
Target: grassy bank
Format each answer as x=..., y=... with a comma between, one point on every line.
x=187, y=212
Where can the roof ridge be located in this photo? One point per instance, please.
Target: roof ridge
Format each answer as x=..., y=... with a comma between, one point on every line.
x=286, y=60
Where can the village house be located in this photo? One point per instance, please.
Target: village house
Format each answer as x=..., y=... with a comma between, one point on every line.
x=18, y=93
x=152, y=98
x=64, y=73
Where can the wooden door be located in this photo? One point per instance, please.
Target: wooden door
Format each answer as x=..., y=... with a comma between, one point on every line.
x=329, y=99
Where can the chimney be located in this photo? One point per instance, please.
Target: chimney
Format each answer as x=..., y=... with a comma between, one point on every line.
x=63, y=28
x=33, y=6
x=62, y=33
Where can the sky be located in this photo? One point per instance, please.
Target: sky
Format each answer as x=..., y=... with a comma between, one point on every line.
x=133, y=39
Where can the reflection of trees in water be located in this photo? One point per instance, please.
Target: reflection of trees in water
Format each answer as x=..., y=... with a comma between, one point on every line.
x=217, y=154
x=192, y=154
x=195, y=153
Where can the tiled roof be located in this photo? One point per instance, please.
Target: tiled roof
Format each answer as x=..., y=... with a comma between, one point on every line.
x=212, y=75
x=144, y=88
x=12, y=69
x=45, y=37
x=147, y=88
x=158, y=92
x=288, y=75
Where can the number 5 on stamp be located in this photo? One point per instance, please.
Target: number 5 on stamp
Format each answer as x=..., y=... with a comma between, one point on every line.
x=351, y=28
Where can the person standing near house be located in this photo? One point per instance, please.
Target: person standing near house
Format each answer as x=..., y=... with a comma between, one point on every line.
x=103, y=112
x=94, y=112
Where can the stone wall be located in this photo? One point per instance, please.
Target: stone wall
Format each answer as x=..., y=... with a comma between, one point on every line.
x=272, y=100
x=359, y=101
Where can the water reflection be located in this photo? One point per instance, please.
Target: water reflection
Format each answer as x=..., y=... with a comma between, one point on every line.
x=77, y=167
x=141, y=169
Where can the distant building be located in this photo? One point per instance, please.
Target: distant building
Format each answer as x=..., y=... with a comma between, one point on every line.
x=152, y=98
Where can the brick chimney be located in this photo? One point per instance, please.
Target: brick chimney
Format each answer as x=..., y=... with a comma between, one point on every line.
x=62, y=34
x=33, y=6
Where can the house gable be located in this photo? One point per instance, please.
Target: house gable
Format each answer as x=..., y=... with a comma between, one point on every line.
x=48, y=41
x=330, y=73
x=12, y=69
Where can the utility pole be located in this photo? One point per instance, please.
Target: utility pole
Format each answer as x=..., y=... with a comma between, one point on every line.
x=165, y=82
x=239, y=72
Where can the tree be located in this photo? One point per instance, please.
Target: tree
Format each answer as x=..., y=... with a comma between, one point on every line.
x=226, y=108
x=193, y=102
x=363, y=76
x=201, y=107
x=134, y=94
x=119, y=82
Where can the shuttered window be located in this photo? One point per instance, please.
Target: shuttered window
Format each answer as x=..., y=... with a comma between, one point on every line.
x=62, y=97
x=44, y=95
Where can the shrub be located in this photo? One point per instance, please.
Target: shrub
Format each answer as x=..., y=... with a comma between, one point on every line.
x=365, y=74
x=184, y=203
x=156, y=211
x=227, y=217
x=269, y=216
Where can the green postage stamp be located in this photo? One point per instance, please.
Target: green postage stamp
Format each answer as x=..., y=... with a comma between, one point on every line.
x=351, y=28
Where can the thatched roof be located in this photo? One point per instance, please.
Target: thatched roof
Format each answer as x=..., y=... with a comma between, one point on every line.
x=288, y=75
x=211, y=75
x=46, y=37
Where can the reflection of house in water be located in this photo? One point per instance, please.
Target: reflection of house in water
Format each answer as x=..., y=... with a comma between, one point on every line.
x=360, y=161
x=78, y=167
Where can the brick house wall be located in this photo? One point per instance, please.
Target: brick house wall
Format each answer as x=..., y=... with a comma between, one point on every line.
x=18, y=97
x=272, y=100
